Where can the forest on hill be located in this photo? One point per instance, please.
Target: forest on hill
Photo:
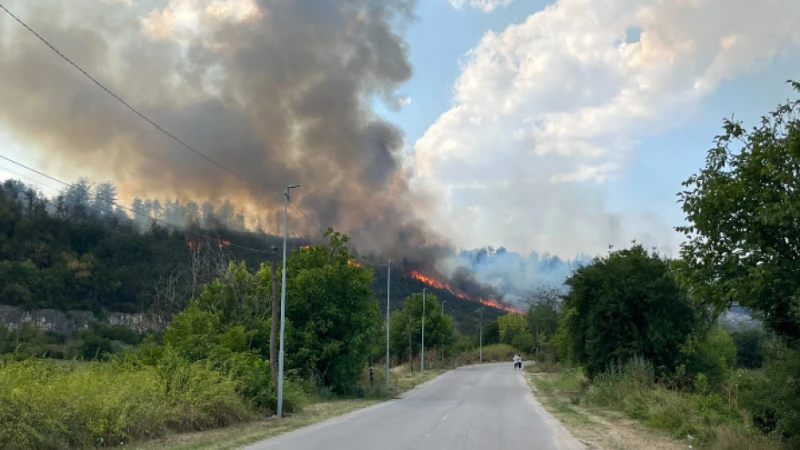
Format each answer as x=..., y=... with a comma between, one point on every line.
x=82, y=251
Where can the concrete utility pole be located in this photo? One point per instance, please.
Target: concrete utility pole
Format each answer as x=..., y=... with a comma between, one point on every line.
x=388, y=316
x=283, y=295
x=422, y=355
x=443, y=302
x=273, y=330
x=480, y=338
x=410, y=352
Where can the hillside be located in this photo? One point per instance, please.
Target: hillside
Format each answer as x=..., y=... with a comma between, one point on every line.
x=77, y=253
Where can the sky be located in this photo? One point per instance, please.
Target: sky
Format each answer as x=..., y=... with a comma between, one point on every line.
x=566, y=126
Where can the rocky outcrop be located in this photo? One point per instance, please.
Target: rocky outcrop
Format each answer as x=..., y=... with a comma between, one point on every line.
x=70, y=322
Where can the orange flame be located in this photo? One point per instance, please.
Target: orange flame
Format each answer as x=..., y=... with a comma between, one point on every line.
x=353, y=263
x=224, y=243
x=460, y=294
x=191, y=243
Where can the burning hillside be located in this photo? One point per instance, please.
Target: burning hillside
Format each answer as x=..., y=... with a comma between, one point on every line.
x=461, y=294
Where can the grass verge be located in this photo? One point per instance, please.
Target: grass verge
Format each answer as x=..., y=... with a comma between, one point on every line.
x=402, y=380
x=560, y=394
x=242, y=435
x=621, y=413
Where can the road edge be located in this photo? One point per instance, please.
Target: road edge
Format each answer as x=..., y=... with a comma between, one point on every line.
x=564, y=438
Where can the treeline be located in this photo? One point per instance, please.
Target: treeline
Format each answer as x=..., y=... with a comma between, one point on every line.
x=81, y=251
x=643, y=332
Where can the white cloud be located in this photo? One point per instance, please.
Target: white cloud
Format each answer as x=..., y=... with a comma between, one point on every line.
x=561, y=100
x=486, y=6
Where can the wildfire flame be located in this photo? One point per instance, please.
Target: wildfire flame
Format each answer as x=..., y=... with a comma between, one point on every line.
x=192, y=244
x=460, y=294
x=224, y=243
x=353, y=263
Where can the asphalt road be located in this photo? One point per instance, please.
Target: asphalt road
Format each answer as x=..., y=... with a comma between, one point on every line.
x=478, y=407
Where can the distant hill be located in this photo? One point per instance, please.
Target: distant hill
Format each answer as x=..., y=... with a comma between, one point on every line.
x=76, y=252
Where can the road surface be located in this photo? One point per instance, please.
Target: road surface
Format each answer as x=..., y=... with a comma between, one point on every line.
x=477, y=407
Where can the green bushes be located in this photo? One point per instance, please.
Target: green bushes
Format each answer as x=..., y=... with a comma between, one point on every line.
x=44, y=405
x=491, y=353
x=633, y=390
x=96, y=342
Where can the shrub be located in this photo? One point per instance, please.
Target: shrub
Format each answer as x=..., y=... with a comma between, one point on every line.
x=772, y=400
x=45, y=405
x=491, y=353
x=631, y=388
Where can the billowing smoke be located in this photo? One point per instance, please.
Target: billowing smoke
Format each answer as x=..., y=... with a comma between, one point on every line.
x=279, y=91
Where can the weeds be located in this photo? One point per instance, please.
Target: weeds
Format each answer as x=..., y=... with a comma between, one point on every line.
x=44, y=405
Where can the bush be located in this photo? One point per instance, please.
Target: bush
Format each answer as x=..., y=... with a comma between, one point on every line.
x=491, y=353
x=772, y=400
x=750, y=347
x=632, y=389
x=45, y=405
x=712, y=359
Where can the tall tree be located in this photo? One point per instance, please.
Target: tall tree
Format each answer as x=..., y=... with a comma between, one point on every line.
x=104, y=198
x=624, y=305
x=743, y=212
x=407, y=322
x=332, y=312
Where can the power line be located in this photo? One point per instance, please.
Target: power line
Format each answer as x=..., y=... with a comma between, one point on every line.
x=118, y=98
x=142, y=115
x=139, y=213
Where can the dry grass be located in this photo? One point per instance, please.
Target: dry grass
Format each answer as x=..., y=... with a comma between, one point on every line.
x=730, y=439
x=595, y=428
x=402, y=380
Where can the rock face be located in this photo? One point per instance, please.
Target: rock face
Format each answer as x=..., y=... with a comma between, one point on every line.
x=70, y=322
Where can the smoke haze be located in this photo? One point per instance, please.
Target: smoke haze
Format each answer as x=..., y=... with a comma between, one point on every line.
x=276, y=90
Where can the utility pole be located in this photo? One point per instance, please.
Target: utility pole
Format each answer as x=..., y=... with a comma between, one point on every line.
x=422, y=354
x=388, y=317
x=443, y=302
x=410, y=352
x=480, y=338
x=273, y=330
x=283, y=295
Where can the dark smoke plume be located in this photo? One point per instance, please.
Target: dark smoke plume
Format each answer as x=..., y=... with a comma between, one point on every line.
x=279, y=91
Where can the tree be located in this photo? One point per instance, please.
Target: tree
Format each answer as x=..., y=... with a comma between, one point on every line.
x=624, y=305
x=511, y=325
x=332, y=313
x=491, y=332
x=743, y=210
x=104, y=197
x=543, y=316
x=439, y=333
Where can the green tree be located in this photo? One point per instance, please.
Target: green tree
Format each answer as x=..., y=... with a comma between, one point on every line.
x=624, y=305
x=491, y=332
x=742, y=211
x=543, y=316
x=511, y=325
x=439, y=332
x=332, y=312
x=714, y=355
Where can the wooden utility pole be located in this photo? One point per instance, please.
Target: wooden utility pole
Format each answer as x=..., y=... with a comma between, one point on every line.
x=273, y=329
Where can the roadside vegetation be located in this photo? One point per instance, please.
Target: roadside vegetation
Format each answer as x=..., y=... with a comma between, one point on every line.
x=639, y=337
